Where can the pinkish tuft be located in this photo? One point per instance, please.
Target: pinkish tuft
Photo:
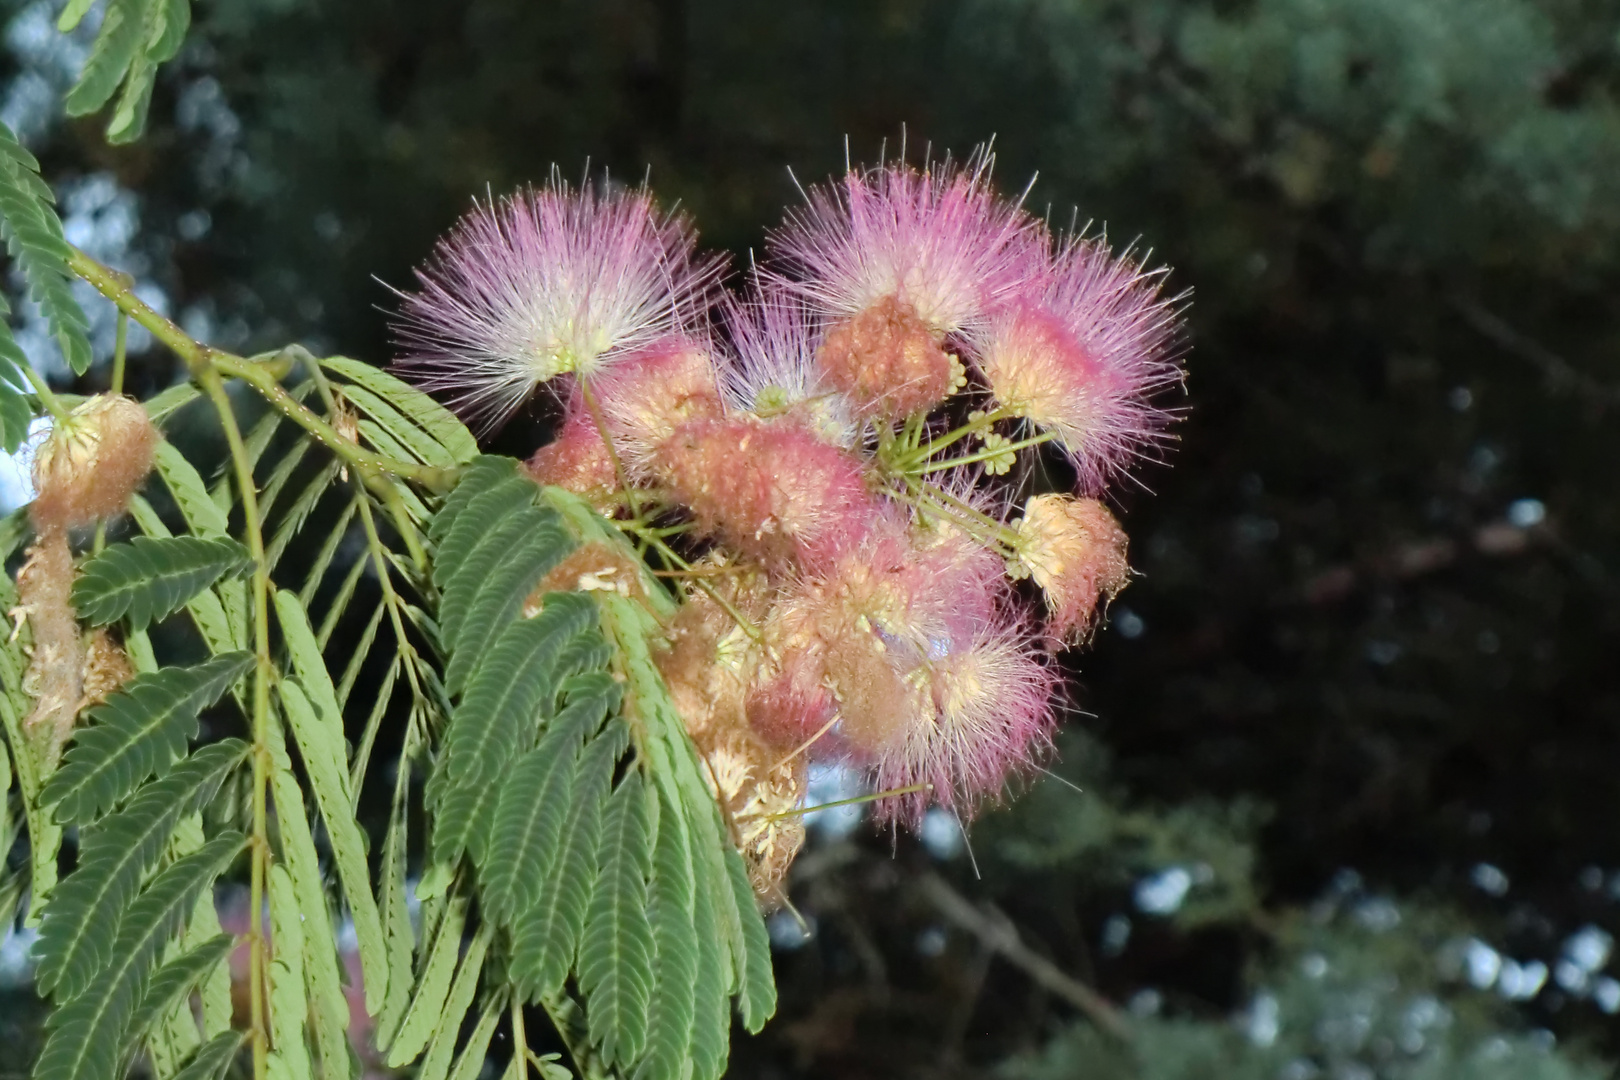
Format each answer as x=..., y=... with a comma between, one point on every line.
x=889, y=362
x=775, y=492
x=577, y=459
x=937, y=240
x=1075, y=551
x=934, y=682
x=649, y=394
x=774, y=371
x=1083, y=355
x=983, y=713
x=545, y=282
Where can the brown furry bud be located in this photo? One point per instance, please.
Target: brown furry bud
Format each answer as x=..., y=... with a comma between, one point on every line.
x=55, y=675
x=106, y=668
x=91, y=463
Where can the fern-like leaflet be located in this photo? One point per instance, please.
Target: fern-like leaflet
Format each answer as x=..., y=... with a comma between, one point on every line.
x=137, y=732
x=77, y=934
x=33, y=235
x=149, y=579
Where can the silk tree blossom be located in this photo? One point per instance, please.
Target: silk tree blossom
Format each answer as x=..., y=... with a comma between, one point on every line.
x=1082, y=352
x=934, y=681
x=774, y=371
x=1075, y=551
x=650, y=395
x=844, y=548
x=776, y=492
x=981, y=713
x=546, y=282
x=896, y=259
x=577, y=459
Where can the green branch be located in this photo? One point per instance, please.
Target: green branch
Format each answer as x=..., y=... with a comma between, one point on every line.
x=258, y=953
x=264, y=378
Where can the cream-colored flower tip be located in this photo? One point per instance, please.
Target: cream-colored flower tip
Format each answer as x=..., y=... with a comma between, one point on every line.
x=1075, y=551
x=91, y=463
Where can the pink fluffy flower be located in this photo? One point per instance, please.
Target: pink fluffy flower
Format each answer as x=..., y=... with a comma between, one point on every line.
x=935, y=683
x=545, y=282
x=1076, y=552
x=982, y=713
x=1083, y=354
x=577, y=459
x=774, y=373
x=649, y=394
x=897, y=259
x=776, y=492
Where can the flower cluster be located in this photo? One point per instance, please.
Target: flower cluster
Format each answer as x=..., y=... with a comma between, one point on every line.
x=835, y=465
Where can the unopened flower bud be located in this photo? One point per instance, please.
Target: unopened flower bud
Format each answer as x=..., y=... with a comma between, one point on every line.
x=1075, y=551
x=888, y=361
x=91, y=463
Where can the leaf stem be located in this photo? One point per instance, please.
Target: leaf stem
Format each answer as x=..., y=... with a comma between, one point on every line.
x=725, y=605
x=120, y=339
x=855, y=800
x=917, y=453
x=47, y=397
x=406, y=651
x=211, y=383
x=520, y=1042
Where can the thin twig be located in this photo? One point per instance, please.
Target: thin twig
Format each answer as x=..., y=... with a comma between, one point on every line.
x=1560, y=374
x=1002, y=937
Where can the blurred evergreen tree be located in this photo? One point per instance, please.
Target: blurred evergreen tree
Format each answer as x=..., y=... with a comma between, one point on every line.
x=1376, y=625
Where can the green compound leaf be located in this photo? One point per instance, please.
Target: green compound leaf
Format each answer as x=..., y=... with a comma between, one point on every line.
x=214, y=1056
x=173, y=983
x=473, y=523
x=471, y=1062
x=500, y=594
x=205, y=609
x=673, y=1012
x=81, y=923
x=616, y=953
x=15, y=412
x=322, y=750
x=116, y=45
x=437, y=1062
x=289, y=1008
x=546, y=936
x=307, y=661
x=488, y=729
x=481, y=476
x=33, y=236
x=427, y=1004
x=429, y=417
x=534, y=801
x=135, y=37
x=491, y=551
x=756, y=998
x=329, y=1008
x=711, y=992
x=396, y=922
x=88, y=1030
x=150, y=579
x=138, y=731
x=532, y=807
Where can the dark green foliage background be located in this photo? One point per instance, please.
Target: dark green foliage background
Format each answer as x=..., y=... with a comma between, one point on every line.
x=1400, y=218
